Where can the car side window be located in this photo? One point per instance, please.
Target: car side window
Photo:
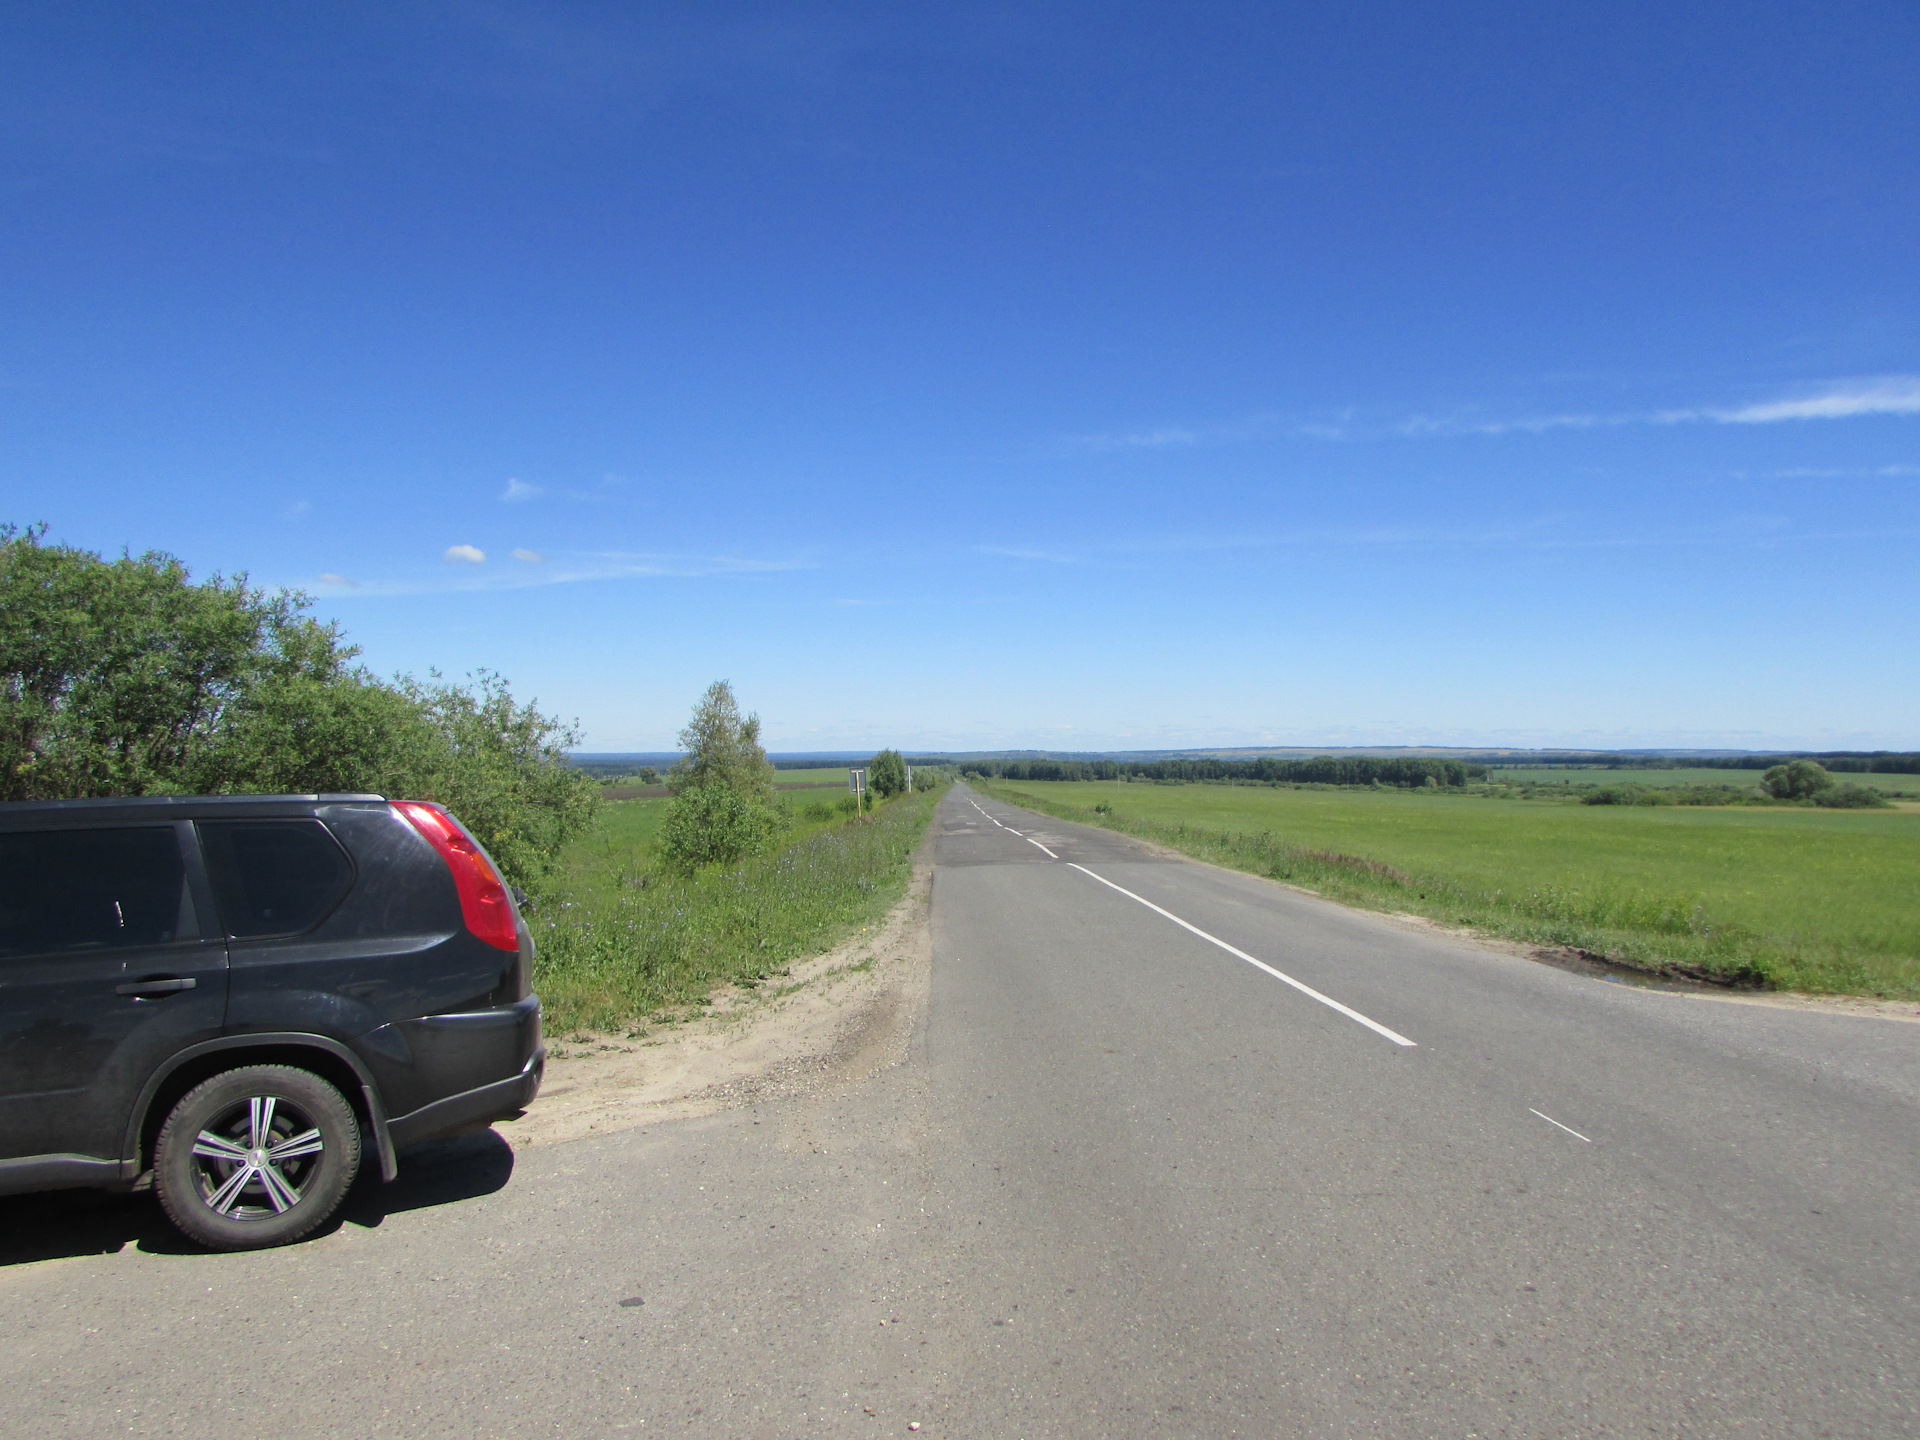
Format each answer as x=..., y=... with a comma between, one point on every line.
x=273, y=877
x=109, y=889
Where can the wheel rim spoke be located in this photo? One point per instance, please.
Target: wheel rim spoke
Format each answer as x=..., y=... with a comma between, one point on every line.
x=218, y=1147
x=222, y=1201
x=282, y=1194
x=306, y=1143
x=260, y=1121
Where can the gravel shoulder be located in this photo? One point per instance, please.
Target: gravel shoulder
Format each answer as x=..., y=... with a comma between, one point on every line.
x=831, y=1020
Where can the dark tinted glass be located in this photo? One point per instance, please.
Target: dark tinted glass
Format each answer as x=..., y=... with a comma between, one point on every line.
x=274, y=877
x=91, y=890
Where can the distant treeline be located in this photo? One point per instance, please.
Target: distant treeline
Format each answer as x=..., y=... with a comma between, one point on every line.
x=1323, y=770
x=1840, y=762
x=608, y=767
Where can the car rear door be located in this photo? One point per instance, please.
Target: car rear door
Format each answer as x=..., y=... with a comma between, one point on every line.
x=110, y=963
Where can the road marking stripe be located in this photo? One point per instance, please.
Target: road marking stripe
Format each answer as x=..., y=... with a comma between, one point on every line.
x=1551, y=1121
x=976, y=805
x=1011, y=831
x=1307, y=990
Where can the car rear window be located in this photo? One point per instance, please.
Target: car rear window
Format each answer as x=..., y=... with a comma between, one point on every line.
x=92, y=890
x=274, y=877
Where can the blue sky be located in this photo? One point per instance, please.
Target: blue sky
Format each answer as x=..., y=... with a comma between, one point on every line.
x=1075, y=376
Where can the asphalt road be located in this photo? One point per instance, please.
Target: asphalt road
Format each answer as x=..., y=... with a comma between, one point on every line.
x=1127, y=1183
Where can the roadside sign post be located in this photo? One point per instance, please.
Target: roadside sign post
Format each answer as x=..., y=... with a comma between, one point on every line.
x=857, y=783
x=909, y=779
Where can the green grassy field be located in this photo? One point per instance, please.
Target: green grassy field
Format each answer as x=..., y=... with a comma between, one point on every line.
x=828, y=775
x=1798, y=898
x=1745, y=779
x=618, y=941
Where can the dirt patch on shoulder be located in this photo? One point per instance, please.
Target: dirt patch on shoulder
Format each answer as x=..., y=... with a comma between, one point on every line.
x=832, y=1019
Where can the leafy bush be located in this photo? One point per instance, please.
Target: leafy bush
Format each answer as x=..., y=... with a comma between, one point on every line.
x=714, y=824
x=1851, y=797
x=1627, y=795
x=1798, y=780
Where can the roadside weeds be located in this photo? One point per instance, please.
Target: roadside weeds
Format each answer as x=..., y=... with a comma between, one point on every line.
x=825, y=1021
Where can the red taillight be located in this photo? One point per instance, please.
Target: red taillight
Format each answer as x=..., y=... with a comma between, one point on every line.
x=484, y=902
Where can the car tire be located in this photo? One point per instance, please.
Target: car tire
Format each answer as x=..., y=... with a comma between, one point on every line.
x=256, y=1157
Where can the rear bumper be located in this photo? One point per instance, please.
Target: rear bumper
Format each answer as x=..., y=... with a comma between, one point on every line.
x=459, y=1071
x=471, y=1109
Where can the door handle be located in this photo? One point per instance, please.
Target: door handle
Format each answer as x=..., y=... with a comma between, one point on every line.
x=154, y=987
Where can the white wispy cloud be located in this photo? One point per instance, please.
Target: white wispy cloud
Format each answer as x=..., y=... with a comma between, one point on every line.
x=1008, y=552
x=1839, y=400
x=1142, y=439
x=561, y=570
x=1172, y=437
x=531, y=557
x=520, y=490
x=1822, y=472
x=1524, y=425
x=464, y=555
x=1829, y=400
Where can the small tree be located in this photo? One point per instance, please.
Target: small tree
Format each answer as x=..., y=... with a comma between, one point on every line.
x=1798, y=780
x=724, y=807
x=887, y=774
x=649, y=775
x=723, y=747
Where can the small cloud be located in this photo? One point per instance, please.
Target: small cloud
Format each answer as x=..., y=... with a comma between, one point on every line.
x=464, y=555
x=327, y=577
x=521, y=490
x=532, y=557
x=297, y=509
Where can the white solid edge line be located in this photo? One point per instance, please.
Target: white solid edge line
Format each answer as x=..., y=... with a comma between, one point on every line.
x=1307, y=990
x=1551, y=1121
x=1031, y=841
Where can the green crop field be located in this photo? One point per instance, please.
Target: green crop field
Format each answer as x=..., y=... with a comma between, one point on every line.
x=1799, y=898
x=1744, y=779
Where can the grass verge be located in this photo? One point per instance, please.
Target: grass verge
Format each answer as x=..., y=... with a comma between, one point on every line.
x=617, y=941
x=1781, y=900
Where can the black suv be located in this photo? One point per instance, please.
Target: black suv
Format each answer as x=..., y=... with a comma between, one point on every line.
x=225, y=996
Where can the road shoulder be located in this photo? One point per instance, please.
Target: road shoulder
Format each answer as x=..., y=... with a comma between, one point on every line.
x=830, y=1020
